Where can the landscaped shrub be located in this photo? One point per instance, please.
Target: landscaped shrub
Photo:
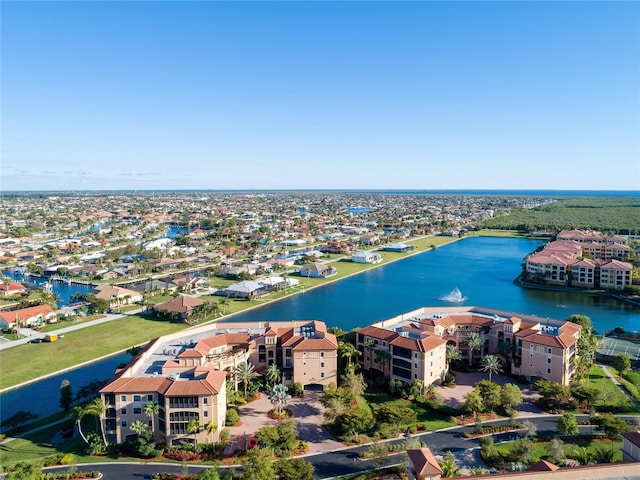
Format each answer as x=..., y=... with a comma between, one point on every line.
x=633, y=377
x=232, y=417
x=67, y=459
x=631, y=388
x=183, y=456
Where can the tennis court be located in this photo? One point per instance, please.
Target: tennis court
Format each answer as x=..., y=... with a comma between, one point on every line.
x=613, y=346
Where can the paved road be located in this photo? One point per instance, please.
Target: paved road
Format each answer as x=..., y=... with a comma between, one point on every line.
x=344, y=461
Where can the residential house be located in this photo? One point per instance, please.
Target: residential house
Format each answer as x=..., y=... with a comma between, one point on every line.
x=116, y=296
x=183, y=306
x=246, y=289
x=423, y=465
x=11, y=289
x=398, y=247
x=366, y=257
x=318, y=270
x=28, y=317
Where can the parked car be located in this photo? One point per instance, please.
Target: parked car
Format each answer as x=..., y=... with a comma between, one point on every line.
x=253, y=443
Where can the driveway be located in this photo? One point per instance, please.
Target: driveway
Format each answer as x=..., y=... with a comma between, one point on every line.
x=307, y=411
x=454, y=397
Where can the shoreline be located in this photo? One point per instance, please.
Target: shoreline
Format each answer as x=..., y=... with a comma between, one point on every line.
x=231, y=315
x=553, y=288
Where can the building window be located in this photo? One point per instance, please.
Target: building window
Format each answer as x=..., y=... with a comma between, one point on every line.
x=123, y=411
x=548, y=370
x=321, y=364
x=123, y=424
x=123, y=398
x=287, y=352
x=205, y=414
x=415, y=355
x=205, y=400
x=150, y=397
x=321, y=374
x=415, y=365
x=322, y=354
x=548, y=360
x=137, y=398
x=549, y=351
x=137, y=411
x=384, y=344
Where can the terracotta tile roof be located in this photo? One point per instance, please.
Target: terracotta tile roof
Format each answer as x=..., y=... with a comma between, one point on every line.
x=315, y=344
x=379, y=333
x=180, y=304
x=424, y=462
x=26, y=313
x=616, y=264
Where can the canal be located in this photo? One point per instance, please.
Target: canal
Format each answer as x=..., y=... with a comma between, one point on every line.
x=482, y=268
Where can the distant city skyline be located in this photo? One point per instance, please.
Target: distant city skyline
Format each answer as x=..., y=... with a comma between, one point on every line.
x=320, y=95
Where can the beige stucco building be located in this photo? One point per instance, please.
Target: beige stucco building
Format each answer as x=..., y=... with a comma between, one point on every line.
x=415, y=341
x=189, y=382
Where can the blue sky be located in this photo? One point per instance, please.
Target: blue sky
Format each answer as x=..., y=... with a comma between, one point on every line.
x=314, y=95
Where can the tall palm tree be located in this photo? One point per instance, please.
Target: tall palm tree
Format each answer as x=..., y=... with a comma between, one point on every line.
x=348, y=350
x=193, y=426
x=452, y=353
x=272, y=374
x=150, y=410
x=78, y=413
x=506, y=349
x=491, y=364
x=96, y=408
x=245, y=373
x=223, y=302
x=474, y=342
x=211, y=427
x=383, y=358
x=370, y=345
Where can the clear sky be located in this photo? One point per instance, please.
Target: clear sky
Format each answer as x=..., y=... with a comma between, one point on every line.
x=320, y=95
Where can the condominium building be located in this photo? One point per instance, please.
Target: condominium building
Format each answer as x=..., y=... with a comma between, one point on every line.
x=411, y=346
x=187, y=378
x=582, y=259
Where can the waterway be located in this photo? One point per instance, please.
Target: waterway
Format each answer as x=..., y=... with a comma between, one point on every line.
x=483, y=268
x=64, y=290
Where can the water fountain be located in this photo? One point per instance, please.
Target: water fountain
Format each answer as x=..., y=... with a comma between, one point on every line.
x=454, y=296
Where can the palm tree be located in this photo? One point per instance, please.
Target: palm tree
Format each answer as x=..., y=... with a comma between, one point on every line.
x=193, y=426
x=96, y=408
x=474, y=341
x=272, y=374
x=383, y=357
x=138, y=426
x=223, y=302
x=279, y=398
x=150, y=410
x=491, y=364
x=245, y=373
x=78, y=413
x=452, y=353
x=348, y=351
x=370, y=345
x=211, y=427
x=506, y=349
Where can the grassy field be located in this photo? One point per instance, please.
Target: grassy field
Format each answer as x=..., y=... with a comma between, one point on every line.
x=600, y=381
x=34, y=360
x=430, y=419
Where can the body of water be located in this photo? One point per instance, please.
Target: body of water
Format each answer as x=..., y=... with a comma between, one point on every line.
x=482, y=268
x=62, y=289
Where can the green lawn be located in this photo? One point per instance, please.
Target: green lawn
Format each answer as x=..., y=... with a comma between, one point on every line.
x=539, y=449
x=33, y=360
x=600, y=381
x=431, y=419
